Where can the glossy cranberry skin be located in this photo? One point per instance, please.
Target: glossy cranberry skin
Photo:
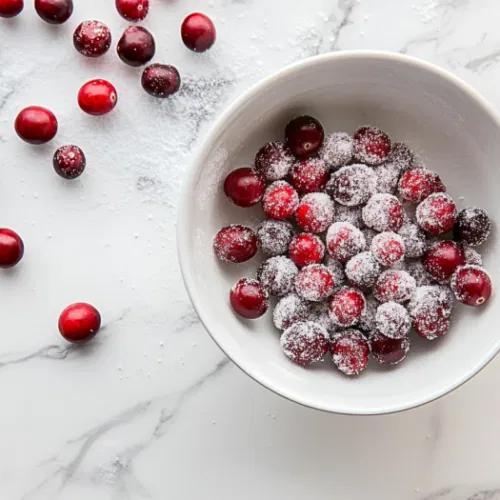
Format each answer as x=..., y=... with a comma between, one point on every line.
x=306, y=249
x=11, y=248
x=235, y=243
x=92, y=38
x=389, y=351
x=97, y=97
x=309, y=175
x=443, y=259
x=244, y=187
x=11, y=8
x=36, y=125
x=472, y=227
x=79, y=323
x=133, y=10
x=249, y=299
x=161, y=80
x=198, y=32
x=69, y=162
x=280, y=200
x=304, y=135
x=471, y=285
x=54, y=11
x=136, y=46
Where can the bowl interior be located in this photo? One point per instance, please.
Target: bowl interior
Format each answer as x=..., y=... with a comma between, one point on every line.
x=455, y=133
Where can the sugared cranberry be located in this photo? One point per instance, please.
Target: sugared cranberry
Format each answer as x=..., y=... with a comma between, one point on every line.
x=161, y=80
x=472, y=256
x=198, y=32
x=133, y=10
x=92, y=38
x=371, y=145
x=367, y=321
x=418, y=183
x=414, y=240
x=11, y=8
x=352, y=185
x=277, y=275
x=306, y=249
x=235, y=243
x=337, y=150
x=97, y=97
x=347, y=306
x=36, y=125
x=363, y=270
x=309, y=175
x=472, y=227
x=443, y=259
x=350, y=352
x=344, y=241
x=280, y=200
x=11, y=248
x=383, y=212
x=388, y=248
x=471, y=285
x=394, y=285
x=389, y=351
x=417, y=269
x=315, y=212
x=289, y=310
x=392, y=320
x=54, y=11
x=352, y=215
x=275, y=237
x=401, y=154
x=249, y=299
x=319, y=312
x=388, y=175
x=305, y=343
x=304, y=135
x=69, y=162
x=136, y=46
x=314, y=283
x=79, y=323
x=337, y=270
x=274, y=161
x=244, y=187
x=437, y=214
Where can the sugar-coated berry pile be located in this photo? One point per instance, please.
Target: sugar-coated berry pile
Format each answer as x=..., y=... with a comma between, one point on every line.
x=362, y=245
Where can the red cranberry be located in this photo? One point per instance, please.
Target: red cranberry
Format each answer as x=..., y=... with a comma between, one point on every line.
x=11, y=248
x=306, y=249
x=198, y=32
x=363, y=270
x=54, y=11
x=304, y=135
x=11, y=8
x=337, y=150
x=274, y=161
x=388, y=248
x=305, y=343
x=418, y=183
x=161, y=80
x=235, y=243
x=347, y=306
x=352, y=185
x=275, y=237
x=315, y=212
x=394, y=285
x=443, y=259
x=392, y=320
x=249, y=299
x=136, y=46
x=277, y=275
x=437, y=214
x=471, y=285
x=472, y=227
x=389, y=351
x=344, y=241
x=401, y=154
x=383, y=212
x=350, y=352
x=290, y=310
x=97, y=97
x=244, y=187
x=371, y=145
x=337, y=270
x=309, y=175
x=133, y=10
x=79, y=323
x=280, y=200
x=314, y=283
x=36, y=125
x=319, y=312
x=92, y=38
x=69, y=162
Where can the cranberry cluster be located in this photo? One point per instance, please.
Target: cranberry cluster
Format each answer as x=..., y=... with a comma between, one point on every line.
x=353, y=271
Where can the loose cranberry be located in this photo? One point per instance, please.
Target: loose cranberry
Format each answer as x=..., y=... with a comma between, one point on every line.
x=315, y=212
x=11, y=8
x=305, y=343
x=392, y=320
x=161, y=80
x=249, y=299
x=244, y=187
x=133, y=10
x=92, y=38
x=383, y=212
x=97, y=97
x=280, y=200
x=347, y=306
x=235, y=243
x=352, y=185
x=389, y=351
x=371, y=145
x=306, y=249
x=277, y=275
x=309, y=175
x=472, y=227
x=79, y=323
x=437, y=214
x=136, y=46
x=274, y=161
x=363, y=270
x=388, y=248
x=304, y=135
x=418, y=183
x=69, y=162
x=275, y=237
x=314, y=283
x=290, y=310
x=54, y=11
x=350, y=352
x=471, y=285
x=36, y=125
x=337, y=150
x=443, y=259
x=11, y=248
x=198, y=32
x=394, y=285
x=344, y=241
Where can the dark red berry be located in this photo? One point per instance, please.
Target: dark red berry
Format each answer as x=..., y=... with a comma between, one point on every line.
x=306, y=249
x=305, y=343
x=275, y=237
x=11, y=8
x=437, y=214
x=133, y=10
x=315, y=212
x=274, y=161
x=36, y=125
x=471, y=285
x=344, y=241
x=69, y=162
x=352, y=185
x=383, y=212
x=389, y=351
x=11, y=248
x=277, y=275
x=235, y=243
x=136, y=46
x=418, y=183
x=198, y=32
x=92, y=38
x=443, y=259
x=244, y=187
x=350, y=352
x=347, y=306
x=79, y=323
x=314, y=283
x=161, y=80
x=394, y=285
x=249, y=299
x=304, y=135
x=280, y=200
x=97, y=97
x=388, y=248
x=371, y=145
x=472, y=227
x=54, y=11
x=309, y=175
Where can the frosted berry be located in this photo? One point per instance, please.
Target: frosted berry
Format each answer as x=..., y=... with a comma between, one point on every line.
x=371, y=145
x=315, y=212
x=274, y=161
x=471, y=285
x=443, y=259
x=308, y=175
x=388, y=175
x=277, y=275
x=350, y=352
x=306, y=249
x=416, y=184
x=417, y=269
x=437, y=214
x=472, y=256
x=280, y=200
x=337, y=270
x=389, y=351
x=383, y=212
x=54, y=11
x=36, y=125
x=394, y=285
x=344, y=241
x=352, y=215
x=198, y=32
x=401, y=155
x=289, y=310
x=472, y=227
x=249, y=299
x=367, y=320
x=11, y=248
x=363, y=270
x=314, y=283
x=69, y=162
x=337, y=150
x=161, y=80
x=275, y=237
x=11, y=8
x=97, y=97
x=319, y=312
x=133, y=10
x=352, y=185
x=244, y=187
x=305, y=343
x=347, y=306
x=392, y=320
x=136, y=46
x=304, y=135
x=388, y=248
x=235, y=243
x=92, y=38
x=414, y=239
x=79, y=323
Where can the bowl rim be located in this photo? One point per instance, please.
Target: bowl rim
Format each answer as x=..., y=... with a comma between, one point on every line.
x=185, y=206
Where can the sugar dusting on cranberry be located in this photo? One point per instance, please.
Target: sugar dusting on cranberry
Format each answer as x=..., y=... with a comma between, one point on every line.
x=92, y=38
x=280, y=200
x=306, y=249
x=352, y=185
x=417, y=270
x=274, y=161
x=393, y=320
x=289, y=310
x=235, y=243
x=388, y=175
x=314, y=283
x=472, y=227
x=394, y=285
x=249, y=299
x=161, y=80
x=347, y=306
x=352, y=215
x=472, y=256
x=350, y=352
x=337, y=150
x=414, y=239
x=363, y=270
x=402, y=155
x=315, y=212
x=389, y=351
x=416, y=184
x=277, y=275
x=344, y=241
x=305, y=343
x=383, y=212
x=275, y=237
x=388, y=248
x=304, y=135
x=337, y=270
x=437, y=214
x=69, y=162
x=319, y=312
x=308, y=175
x=367, y=320
x=471, y=285
x=371, y=145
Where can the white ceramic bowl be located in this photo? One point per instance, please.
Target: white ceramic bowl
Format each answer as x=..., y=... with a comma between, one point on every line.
x=457, y=134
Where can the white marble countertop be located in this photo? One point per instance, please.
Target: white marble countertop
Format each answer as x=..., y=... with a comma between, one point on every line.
x=152, y=409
